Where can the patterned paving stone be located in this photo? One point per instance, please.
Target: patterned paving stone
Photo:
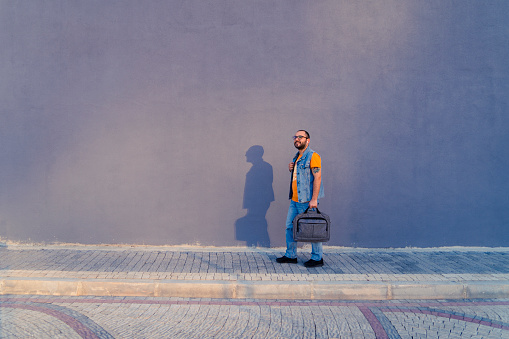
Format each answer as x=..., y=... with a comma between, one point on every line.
x=86, y=262
x=150, y=317
x=129, y=317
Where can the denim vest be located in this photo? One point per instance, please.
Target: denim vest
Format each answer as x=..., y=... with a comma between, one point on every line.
x=304, y=177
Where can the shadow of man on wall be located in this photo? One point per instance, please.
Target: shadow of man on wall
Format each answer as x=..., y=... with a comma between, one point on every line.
x=258, y=194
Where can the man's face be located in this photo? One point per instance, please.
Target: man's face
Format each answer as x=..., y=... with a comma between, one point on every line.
x=300, y=141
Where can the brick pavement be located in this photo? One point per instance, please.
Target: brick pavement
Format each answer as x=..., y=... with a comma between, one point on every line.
x=135, y=317
x=348, y=273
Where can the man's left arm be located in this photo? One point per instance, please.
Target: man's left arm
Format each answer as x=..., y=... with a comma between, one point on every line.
x=317, y=173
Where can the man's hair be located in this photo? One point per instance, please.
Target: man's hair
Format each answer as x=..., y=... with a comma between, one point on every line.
x=303, y=130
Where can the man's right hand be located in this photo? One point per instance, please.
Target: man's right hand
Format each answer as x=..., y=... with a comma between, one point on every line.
x=290, y=166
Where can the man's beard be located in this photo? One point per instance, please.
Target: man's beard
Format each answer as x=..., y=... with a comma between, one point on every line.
x=301, y=147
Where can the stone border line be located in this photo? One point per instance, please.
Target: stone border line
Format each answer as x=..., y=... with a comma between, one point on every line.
x=239, y=289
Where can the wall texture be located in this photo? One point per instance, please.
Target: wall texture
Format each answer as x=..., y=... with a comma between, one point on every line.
x=169, y=122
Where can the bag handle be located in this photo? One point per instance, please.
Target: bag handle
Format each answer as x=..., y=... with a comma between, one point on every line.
x=315, y=208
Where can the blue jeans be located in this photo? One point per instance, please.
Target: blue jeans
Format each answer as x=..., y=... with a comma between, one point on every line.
x=291, y=246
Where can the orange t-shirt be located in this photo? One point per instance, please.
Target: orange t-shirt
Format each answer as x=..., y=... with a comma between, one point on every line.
x=316, y=161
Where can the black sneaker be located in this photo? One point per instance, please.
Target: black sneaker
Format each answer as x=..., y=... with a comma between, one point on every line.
x=313, y=263
x=285, y=260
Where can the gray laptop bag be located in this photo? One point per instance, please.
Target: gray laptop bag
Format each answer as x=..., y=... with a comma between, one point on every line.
x=311, y=226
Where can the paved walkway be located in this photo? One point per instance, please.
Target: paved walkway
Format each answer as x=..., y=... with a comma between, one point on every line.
x=240, y=273
x=149, y=317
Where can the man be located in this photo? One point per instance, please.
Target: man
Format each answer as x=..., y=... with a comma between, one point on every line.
x=305, y=190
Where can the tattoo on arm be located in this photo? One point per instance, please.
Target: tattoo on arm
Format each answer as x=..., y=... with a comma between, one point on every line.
x=316, y=170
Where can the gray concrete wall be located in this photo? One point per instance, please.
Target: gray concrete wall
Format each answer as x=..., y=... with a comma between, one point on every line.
x=131, y=121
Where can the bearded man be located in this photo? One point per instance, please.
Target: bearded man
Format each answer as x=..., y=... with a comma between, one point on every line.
x=305, y=191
